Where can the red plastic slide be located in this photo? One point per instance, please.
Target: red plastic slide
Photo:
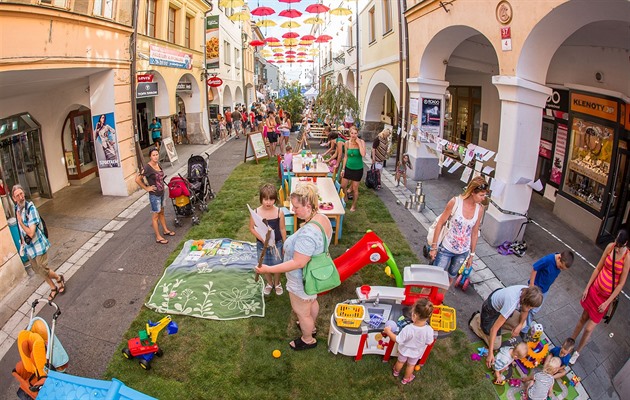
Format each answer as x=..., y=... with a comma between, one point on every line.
x=368, y=250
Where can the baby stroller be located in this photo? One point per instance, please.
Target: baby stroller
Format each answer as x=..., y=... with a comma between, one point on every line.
x=40, y=352
x=199, y=181
x=179, y=192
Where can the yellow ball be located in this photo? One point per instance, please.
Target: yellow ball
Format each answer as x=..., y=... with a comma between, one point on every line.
x=417, y=368
x=276, y=354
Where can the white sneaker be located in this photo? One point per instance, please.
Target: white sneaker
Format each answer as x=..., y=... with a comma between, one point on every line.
x=279, y=290
x=574, y=357
x=267, y=290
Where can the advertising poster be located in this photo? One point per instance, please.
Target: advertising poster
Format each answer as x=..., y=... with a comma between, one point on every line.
x=106, y=143
x=558, y=155
x=169, y=58
x=212, y=42
x=430, y=117
x=544, y=149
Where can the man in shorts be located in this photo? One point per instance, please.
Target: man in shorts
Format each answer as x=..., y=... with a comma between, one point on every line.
x=33, y=242
x=237, y=120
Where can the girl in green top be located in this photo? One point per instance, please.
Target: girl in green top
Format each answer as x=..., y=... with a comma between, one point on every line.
x=352, y=171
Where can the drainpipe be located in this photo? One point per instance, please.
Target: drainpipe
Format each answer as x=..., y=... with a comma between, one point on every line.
x=358, y=69
x=133, y=69
x=403, y=51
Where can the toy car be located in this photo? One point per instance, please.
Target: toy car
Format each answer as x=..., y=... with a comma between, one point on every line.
x=144, y=347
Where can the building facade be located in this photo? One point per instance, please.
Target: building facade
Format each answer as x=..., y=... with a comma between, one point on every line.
x=545, y=86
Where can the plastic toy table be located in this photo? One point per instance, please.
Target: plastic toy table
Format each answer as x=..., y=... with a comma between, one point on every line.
x=318, y=169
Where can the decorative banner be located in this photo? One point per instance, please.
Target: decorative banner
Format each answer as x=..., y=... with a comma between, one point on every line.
x=107, y=154
x=212, y=42
x=431, y=116
x=169, y=58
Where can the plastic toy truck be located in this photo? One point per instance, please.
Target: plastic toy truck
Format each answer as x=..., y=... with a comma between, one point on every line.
x=144, y=347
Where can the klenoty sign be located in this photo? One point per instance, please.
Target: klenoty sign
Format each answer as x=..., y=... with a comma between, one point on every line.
x=169, y=58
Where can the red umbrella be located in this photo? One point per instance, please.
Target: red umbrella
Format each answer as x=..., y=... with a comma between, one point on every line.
x=290, y=52
x=317, y=8
x=301, y=60
x=289, y=1
x=290, y=13
x=279, y=61
x=272, y=39
x=290, y=35
x=308, y=37
x=290, y=56
x=323, y=39
x=271, y=61
x=278, y=54
x=257, y=43
x=310, y=60
x=301, y=53
x=263, y=11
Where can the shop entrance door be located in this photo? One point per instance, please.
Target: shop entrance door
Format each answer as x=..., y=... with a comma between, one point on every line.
x=22, y=161
x=618, y=196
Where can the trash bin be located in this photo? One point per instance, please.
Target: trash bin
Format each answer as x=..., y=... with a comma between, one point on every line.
x=15, y=233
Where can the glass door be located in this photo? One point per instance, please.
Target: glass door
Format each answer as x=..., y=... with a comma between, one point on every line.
x=78, y=144
x=618, y=195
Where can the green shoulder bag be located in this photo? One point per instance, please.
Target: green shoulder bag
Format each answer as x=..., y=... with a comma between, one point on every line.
x=320, y=274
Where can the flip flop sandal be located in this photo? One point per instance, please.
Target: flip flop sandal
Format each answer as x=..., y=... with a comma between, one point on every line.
x=406, y=381
x=394, y=372
x=504, y=251
x=163, y=241
x=53, y=293
x=62, y=284
x=298, y=344
x=169, y=233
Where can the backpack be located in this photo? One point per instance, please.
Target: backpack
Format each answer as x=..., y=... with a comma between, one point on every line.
x=44, y=228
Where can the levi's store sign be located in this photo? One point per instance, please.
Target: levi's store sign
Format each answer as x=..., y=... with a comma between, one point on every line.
x=145, y=78
x=595, y=106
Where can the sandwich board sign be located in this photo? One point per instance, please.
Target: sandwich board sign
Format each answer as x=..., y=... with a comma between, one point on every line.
x=255, y=147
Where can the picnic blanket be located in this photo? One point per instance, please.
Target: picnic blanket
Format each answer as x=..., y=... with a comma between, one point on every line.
x=211, y=279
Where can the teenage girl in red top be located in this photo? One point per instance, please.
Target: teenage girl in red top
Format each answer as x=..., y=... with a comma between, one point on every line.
x=599, y=292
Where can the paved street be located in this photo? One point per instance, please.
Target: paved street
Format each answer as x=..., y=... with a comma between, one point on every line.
x=114, y=257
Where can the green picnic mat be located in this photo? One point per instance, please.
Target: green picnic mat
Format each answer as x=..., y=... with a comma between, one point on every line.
x=214, y=282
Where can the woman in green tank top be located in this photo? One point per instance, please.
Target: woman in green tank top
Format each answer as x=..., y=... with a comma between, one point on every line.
x=352, y=171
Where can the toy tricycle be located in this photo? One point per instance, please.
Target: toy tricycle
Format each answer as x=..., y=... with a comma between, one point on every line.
x=144, y=347
x=463, y=277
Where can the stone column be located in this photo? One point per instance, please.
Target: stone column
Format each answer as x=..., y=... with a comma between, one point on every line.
x=425, y=163
x=522, y=102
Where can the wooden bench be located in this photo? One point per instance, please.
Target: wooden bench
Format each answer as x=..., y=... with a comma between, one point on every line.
x=317, y=131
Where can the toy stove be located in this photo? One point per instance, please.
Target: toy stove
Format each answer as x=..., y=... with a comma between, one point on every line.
x=356, y=326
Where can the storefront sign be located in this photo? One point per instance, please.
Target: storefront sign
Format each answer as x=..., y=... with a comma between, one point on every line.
x=105, y=141
x=215, y=81
x=147, y=89
x=544, y=149
x=212, y=42
x=559, y=100
x=169, y=58
x=431, y=116
x=184, y=86
x=145, y=78
x=595, y=106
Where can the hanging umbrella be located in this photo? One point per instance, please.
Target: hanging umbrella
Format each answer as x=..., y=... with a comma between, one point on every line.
x=290, y=45
x=290, y=25
x=340, y=11
x=257, y=43
x=274, y=44
x=314, y=21
x=308, y=37
x=266, y=23
x=301, y=60
x=279, y=61
x=271, y=61
x=290, y=13
x=263, y=11
x=292, y=42
x=289, y=52
x=310, y=60
x=302, y=49
x=323, y=39
x=289, y=1
x=290, y=56
x=272, y=39
x=317, y=8
x=278, y=54
x=239, y=16
x=301, y=53
x=306, y=42
x=290, y=35
x=231, y=3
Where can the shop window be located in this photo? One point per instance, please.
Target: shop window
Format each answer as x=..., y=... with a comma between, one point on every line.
x=387, y=16
x=227, y=53
x=237, y=58
x=371, y=26
x=78, y=144
x=171, y=24
x=462, y=114
x=104, y=8
x=151, y=13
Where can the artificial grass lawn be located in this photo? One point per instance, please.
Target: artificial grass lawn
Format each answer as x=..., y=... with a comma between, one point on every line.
x=232, y=359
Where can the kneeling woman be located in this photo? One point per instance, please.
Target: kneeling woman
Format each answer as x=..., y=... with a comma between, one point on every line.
x=298, y=250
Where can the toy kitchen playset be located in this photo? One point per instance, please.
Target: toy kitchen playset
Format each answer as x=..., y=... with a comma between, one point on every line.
x=356, y=326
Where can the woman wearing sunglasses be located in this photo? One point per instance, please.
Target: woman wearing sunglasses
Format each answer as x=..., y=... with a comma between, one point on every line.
x=465, y=213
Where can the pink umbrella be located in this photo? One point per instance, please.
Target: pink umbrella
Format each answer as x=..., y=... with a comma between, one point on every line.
x=263, y=11
x=289, y=1
x=271, y=61
x=257, y=43
x=278, y=55
x=308, y=37
x=316, y=8
x=290, y=35
x=301, y=60
x=290, y=52
x=323, y=39
x=279, y=61
x=272, y=39
x=301, y=53
x=290, y=56
x=290, y=13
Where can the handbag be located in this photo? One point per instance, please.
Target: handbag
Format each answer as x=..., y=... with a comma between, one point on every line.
x=613, y=305
x=371, y=179
x=320, y=274
x=445, y=228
